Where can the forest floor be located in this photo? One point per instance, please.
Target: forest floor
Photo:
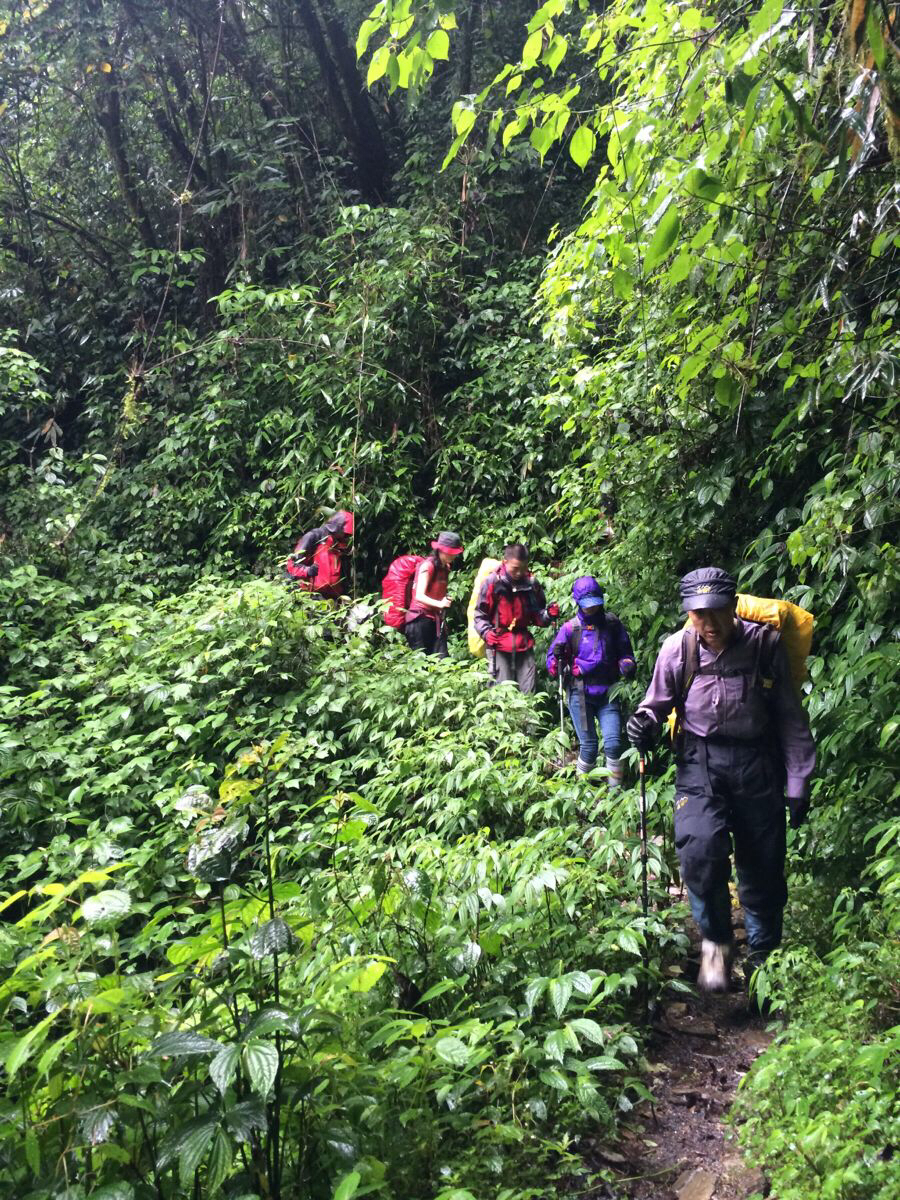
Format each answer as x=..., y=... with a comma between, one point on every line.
x=681, y=1147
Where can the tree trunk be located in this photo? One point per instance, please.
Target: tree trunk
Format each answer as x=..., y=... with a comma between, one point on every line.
x=372, y=156
x=109, y=116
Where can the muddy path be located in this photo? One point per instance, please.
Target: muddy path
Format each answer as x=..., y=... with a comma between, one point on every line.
x=681, y=1147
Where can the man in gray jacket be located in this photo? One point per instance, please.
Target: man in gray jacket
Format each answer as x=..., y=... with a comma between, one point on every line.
x=742, y=741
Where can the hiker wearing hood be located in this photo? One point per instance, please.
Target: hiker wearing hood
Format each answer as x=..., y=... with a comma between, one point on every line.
x=316, y=564
x=510, y=600
x=593, y=651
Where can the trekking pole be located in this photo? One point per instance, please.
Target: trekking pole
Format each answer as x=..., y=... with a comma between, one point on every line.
x=645, y=903
x=562, y=720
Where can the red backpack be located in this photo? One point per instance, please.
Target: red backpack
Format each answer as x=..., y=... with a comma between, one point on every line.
x=396, y=588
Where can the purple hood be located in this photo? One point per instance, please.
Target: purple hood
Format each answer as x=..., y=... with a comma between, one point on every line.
x=584, y=586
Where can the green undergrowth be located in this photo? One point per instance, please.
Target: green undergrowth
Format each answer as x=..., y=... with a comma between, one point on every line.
x=290, y=911
x=819, y=1112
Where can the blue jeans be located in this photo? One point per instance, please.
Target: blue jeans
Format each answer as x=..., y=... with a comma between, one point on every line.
x=610, y=719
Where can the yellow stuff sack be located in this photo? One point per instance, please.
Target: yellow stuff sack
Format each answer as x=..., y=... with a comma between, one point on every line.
x=794, y=624
x=476, y=643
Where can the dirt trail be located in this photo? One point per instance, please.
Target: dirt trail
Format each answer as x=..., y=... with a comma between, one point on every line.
x=681, y=1148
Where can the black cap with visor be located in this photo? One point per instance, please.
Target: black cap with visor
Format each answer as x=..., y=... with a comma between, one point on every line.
x=707, y=587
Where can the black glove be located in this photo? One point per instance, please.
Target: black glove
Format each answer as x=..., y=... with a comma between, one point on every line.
x=628, y=671
x=642, y=730
x=312, y=570
x=799, y=806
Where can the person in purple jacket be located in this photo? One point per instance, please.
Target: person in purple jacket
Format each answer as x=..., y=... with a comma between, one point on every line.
x=742, y=741
x=593, y=650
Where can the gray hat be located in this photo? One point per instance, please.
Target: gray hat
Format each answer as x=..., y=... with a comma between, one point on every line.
x=450, y=543
x=707, y=587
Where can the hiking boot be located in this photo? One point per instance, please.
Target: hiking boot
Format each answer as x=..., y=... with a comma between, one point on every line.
x=616, y=771
x=715, y=961
x=582, y=767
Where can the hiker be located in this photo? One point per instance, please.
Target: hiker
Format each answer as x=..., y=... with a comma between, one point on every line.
x=593, y=651
x=511, y=599
x=424, y=627
x=316, y=564
x=741, y=741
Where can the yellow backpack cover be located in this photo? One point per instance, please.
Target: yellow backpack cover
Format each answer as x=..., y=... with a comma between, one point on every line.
x=476, y=643
x=794, y=624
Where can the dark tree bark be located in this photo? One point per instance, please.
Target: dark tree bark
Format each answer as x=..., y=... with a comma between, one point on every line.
x=108, y=108
x=472, y=23
x=372, y=155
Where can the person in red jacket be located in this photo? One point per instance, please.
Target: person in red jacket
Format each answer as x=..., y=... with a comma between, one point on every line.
x=316, y=564
x=511, y=599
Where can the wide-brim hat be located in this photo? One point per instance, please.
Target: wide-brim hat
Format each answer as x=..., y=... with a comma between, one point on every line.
x=707, y=587
x=449, y=543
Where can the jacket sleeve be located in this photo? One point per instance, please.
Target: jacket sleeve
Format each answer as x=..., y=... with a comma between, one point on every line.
x=539, y=602
x=624, y=651
x=483, y=619
x=557, y=646
x=302, y=556
x=659, y=699
x=792, y=724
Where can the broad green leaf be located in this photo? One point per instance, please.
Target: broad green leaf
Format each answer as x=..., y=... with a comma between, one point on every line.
x=223, y=1067
x=560, y=994
x=582, y=145
x=438, y=44
x=97, y=1124
x=452, y=1050
x=21, y=1048
x=220, y=1159
x=114, y=1191
x=192, y=1150
x=261, y=1064
x=628, y=940
x=555, y=52
x=604, y=1062
x=378, y=65
x=700, y=183
x=464, y=120
x=365, y=979
x=346, y=1189
x=182, y=1043
x=663, y=239
x=589, y=1029
x=533, y=992
x=542, y=138
x=532, y=48
x=32, y=1151
x=681, y=267
x=364, y=36
x=245, y=1118
x=106, y=906
x=274, y=937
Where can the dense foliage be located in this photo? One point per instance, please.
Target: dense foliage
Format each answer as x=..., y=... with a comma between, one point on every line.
x=287, y=911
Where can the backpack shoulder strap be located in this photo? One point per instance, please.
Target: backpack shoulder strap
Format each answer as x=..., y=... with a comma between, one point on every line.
x=687, y=673
x=577, y=634
x=765, y=660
